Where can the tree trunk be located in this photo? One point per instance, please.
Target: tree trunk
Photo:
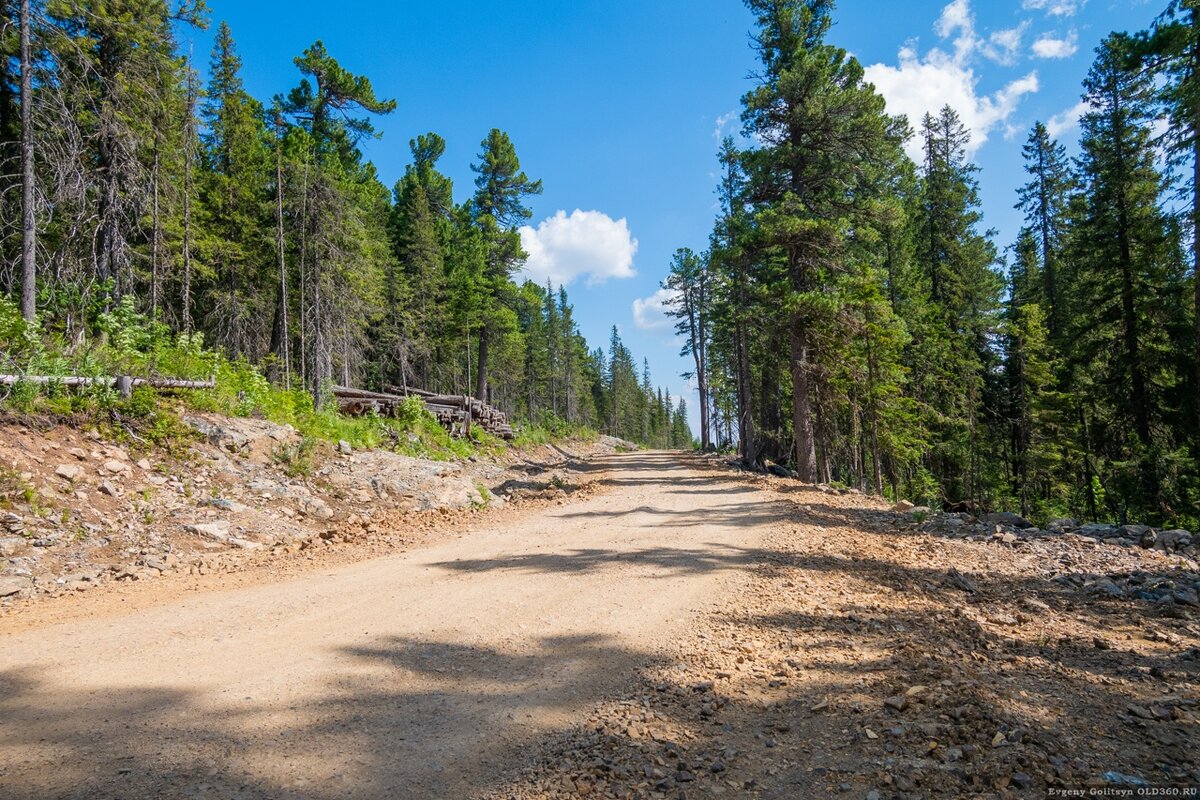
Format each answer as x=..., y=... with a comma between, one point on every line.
x=282, y=345
x=1195, y=19
x=873, y=419
x=481, y=374
x=187, y=200
x=155, y=234
x=802, y=416
x=28, y=228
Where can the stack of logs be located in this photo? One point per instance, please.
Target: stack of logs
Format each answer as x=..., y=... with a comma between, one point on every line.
x=456, y=413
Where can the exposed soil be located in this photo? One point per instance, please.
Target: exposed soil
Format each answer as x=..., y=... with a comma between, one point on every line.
x=675, y=628
x=80, y=514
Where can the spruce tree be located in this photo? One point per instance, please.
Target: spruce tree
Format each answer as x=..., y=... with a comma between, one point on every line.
x=822, y=128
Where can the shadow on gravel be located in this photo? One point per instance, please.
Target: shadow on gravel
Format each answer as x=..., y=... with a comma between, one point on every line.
x=669, y=561
x=406, y=718
x=748, y=514
x=1018, y=683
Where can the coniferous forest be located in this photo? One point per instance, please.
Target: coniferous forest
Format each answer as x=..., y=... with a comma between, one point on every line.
x=854, y=318
x=138, y=198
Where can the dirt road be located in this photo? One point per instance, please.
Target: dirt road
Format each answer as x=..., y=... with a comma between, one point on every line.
x=686, y=631
x=420, y=675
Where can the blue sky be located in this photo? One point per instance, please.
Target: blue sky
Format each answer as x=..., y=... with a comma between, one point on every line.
x=617, y=105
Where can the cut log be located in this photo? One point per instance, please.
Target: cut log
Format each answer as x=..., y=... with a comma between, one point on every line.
x=457, y=413
x=80, y=380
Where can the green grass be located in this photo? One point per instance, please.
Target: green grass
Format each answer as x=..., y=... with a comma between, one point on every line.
x=128, y=343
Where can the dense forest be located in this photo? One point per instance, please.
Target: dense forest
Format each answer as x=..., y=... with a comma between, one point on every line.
x=853, y=318
x=257, y=227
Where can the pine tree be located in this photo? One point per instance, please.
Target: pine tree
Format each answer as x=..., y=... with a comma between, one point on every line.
x=1044, y=200
x=1170, y=51
x=343, y=227
x=688, y=280
x=821, y=126
x=952, y=326
x=237, y=173
x=498, y=208
x=1122, y=255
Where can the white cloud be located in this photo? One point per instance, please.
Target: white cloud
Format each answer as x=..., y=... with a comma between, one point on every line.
x=1003, y=46
x=1054, y=8
x=956, y=20
x=586, y=243
x=1066, y=121
x=650, y=313
x=1050, y=46
x=923, y=85
x=723, y=123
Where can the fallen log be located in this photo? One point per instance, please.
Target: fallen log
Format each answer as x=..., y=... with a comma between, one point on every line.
x=455, y=412
x=122, y=383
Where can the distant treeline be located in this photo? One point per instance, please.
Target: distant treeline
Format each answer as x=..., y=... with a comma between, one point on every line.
x=261, y=226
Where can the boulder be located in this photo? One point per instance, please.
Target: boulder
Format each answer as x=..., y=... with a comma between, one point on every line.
x=11, y=584
x=68, y=472
x=217, y=435
x=317, y=508
x=1098, y=530
x=218, y=529
x=344, y=447
x=902, y=506
x=1062, y=524
x=11, y=545
x=1172, y=540
x=1006, y=518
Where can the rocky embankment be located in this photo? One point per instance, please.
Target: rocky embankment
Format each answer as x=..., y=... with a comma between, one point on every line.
x=1181, y=586
x=80, y=512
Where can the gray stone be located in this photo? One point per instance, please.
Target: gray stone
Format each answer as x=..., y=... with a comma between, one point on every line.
x=344, y=447
x=68, y=471
x=1187, y=597
x=107, y=488
x=218, y=529
x=1172, y=540
x=1106, y=586
x=318, y=508
x=221, y=437
x=1133, y=532
x=1062, y=524
x=1006, y=518
x=902, y=506
x=12, y=585
x=116, y=467
x=11, y=545
x=232, y=506
x=1098, y=530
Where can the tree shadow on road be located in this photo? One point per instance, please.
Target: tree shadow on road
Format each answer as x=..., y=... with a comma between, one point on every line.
x=408, y=718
